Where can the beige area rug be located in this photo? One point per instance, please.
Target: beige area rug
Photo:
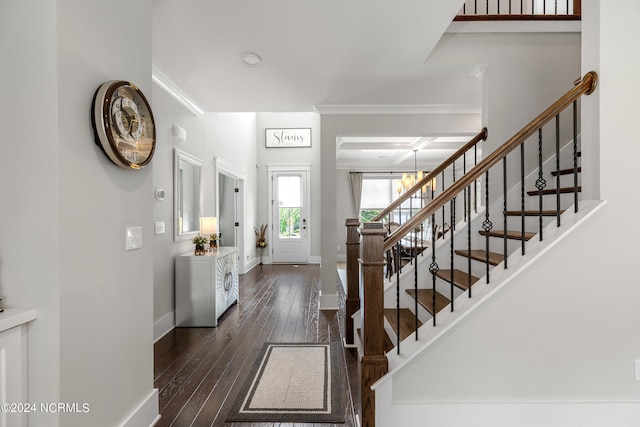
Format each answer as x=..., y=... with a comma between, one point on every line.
x=292, y=382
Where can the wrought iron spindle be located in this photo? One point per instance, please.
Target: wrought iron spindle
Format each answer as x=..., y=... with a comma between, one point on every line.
x=464, y=171
x=558, y=170
x=487, y=226
x=399, y=258
x=475, y=181
x=504, y=207
x=452, y=216
x=541, y=183
x=522, y=194
x=469, y=242
x=575, y=155
x=433, y=267
x=415, y=286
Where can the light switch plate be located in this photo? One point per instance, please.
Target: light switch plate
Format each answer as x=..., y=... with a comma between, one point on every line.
x=133, y=238
x=160, y=227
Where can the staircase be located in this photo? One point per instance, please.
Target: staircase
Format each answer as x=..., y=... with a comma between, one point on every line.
x=403, y=316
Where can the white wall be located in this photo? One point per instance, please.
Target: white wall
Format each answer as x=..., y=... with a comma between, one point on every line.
x=227, y=136
x=565, y=331
x=106, y=293
x=29, y=231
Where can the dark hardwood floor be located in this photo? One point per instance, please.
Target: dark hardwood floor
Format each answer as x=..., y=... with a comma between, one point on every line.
x=199, y=371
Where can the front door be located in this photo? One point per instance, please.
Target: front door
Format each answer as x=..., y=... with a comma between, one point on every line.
x=289, y=231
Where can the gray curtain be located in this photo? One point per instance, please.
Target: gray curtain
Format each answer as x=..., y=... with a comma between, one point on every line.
x=356, y=190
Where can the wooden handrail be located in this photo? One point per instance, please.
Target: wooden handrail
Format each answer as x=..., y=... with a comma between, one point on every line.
x=586, y=86
x=482, y=136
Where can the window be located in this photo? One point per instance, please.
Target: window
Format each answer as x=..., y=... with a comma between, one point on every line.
x=378, y=192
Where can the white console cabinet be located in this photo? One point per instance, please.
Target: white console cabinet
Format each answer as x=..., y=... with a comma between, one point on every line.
x=206, y=286
x=13, y=365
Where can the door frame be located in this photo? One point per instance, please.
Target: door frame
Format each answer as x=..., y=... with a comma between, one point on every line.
x=222, y=166
x=306, y=168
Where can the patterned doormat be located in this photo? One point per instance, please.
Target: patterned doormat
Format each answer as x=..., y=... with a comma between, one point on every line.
x=292, y=382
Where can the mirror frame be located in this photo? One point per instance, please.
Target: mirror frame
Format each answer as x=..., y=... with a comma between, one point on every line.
x=179, y=235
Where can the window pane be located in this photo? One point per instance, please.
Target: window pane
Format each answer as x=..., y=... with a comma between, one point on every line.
x=376, y=193
x=289, y=191
x=289, y=223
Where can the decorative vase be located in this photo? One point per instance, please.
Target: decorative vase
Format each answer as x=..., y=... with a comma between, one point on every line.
x=261, y=250
x=199, y=250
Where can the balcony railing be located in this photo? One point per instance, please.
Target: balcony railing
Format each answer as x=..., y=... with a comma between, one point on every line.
x=491, y=10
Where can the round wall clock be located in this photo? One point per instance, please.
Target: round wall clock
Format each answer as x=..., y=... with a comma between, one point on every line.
x=123, y=124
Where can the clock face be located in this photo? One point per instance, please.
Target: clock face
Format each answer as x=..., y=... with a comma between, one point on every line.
x=123, y=124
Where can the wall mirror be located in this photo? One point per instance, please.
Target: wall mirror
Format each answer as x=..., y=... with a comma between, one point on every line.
x=187, y=195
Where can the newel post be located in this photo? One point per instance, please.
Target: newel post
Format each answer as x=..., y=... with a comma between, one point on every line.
x=374, y=361
x=353, y=275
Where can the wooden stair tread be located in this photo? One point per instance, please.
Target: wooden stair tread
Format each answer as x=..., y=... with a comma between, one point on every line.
x=563, y=190
x=388, y=345
x=425, y=299
x=516, y=235
x=494, y=258
x=534, y=213
x=566, y=171
x=407, y=321
x=460, y=278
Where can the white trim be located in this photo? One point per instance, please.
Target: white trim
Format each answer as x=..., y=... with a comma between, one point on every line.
x=548, y=414
x=163, y=325
x=329, y=302
x=146, y=414
x=314, y=259
x=515, y=27
x=159, y=78
x=327, y=109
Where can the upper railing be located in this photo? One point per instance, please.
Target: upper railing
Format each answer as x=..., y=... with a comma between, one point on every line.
x=497, y=10
x=584, y=86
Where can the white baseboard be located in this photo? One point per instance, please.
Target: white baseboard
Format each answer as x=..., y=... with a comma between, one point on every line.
x=163, y=325
x=329, y=302
x=515, y=414
x=146, y=414
x=315, y=259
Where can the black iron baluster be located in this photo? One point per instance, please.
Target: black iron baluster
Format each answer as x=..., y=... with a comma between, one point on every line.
x=444, y=217
x=453, y=207
x=415, y=287
x=399, y=258
x=509, y=7
x=433, y=267
x=464, y=171
x=522, y=194
x=452, y=217
x=558, y=170
x=575, y=155
x=475, y=5
x=475, y=182
x=541, y=183
x=469, y=243
x=504, y=207
x=487, y=225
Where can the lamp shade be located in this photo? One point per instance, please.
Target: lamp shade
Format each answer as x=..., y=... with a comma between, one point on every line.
x=208, y=225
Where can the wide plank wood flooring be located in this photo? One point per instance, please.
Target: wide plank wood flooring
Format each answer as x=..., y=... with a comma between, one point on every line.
x=199, y=371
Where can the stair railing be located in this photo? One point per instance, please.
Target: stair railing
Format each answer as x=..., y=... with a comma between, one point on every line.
x=374, y=364
x=500, y=10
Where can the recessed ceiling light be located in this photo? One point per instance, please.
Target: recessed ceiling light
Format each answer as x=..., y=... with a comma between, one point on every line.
x=251, y=59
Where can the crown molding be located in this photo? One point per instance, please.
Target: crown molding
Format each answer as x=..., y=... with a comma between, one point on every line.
x=172, y=89
x=327, y=109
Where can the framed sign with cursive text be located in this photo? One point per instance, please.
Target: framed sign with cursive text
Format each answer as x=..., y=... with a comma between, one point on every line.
x=287, y=138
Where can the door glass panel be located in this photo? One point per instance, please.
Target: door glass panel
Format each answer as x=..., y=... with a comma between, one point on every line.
x=289, y=206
